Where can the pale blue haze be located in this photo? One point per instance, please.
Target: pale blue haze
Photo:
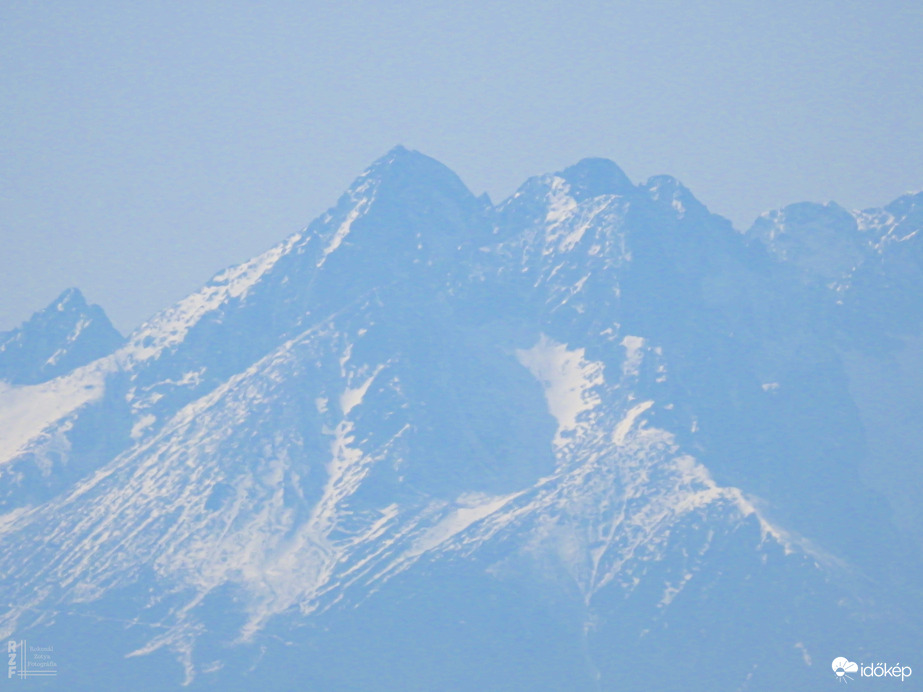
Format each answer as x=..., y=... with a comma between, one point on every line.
x=145, y=146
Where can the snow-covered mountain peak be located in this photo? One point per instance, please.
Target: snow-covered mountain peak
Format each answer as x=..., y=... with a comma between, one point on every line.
x=593, y=177
x=898, y=221
x=829, y=245
x=823, y=241
x=666, y=189
x=593, y=411
x=407, y=177
x=71, y=299
x=907, y=204
x=65, y=335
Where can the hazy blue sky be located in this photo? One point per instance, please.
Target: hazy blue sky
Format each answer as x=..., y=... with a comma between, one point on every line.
x=144, y=146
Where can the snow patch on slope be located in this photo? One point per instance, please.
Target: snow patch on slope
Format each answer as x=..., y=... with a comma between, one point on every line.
x=560, y=203
x=569, y=381
x=634, y=354
x=353, y=396
x=25, y=411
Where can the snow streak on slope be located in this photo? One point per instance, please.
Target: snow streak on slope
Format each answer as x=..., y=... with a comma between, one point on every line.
x=625, y=425
x=168, y=328
x=82, y=324
x=362, y=195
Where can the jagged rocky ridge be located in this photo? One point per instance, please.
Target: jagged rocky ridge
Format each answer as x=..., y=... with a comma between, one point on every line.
x=589, y=438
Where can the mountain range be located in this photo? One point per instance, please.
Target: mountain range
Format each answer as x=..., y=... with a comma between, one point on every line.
x=589, y=438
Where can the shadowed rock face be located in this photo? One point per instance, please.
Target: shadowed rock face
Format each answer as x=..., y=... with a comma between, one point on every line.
x=590, y=438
